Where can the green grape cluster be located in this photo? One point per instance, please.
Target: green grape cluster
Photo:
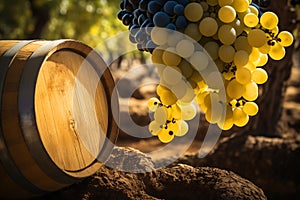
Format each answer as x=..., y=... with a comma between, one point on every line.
x=239, y=40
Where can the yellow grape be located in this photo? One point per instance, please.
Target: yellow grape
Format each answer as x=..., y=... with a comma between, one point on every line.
x=227, y=34
x=286, y=38
x=251, y=20
x=212, y=49
x=154, y=127
x=200, y=97
x=269, y=20
x=257, y=38
x=225, y=2
x=161, y=115
x=254, y=10
x=250, y=66
x=189, y=95
x=153, y=104
x=208, y=26
x=259, y=76
x=227, y=14
x=176, y=111
x=275, y=30
x=188, y=111
x=226, y=53
x=186, y=68
x=254, y=55
x=185, y=48
x=241, y=43
x=157, y=56
x=250, y=108
x=215, y=112
x=240, y=58
x=243, y=75
x=240, y=118
x=265, y=48
x=192, y=30
x=183, y=128
x=170, y=57
x=168, y=98
x=227, y=122
x=179, y=89
x=263, y=59
x=193, y=11
x=234, y=89
x=171, y=75
x=166, y=134
x=173, y=39
x=159, y=36
x=240, y=5
x=238, y=26
x=199, y=60
x=277, y=52
x=251, y=91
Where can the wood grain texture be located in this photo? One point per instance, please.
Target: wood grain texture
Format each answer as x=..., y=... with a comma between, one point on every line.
x=56, y=115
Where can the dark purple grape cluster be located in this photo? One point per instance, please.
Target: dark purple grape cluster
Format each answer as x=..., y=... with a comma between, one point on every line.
x=141, y=15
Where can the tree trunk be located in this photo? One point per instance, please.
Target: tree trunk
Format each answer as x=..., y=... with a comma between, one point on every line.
x=271, y=100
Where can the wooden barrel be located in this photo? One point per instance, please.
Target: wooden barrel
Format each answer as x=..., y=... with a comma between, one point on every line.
x=56, y=115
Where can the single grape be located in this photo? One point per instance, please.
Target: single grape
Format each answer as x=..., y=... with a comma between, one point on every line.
x=263, y=59
x=183, y=128
x=159, y=36
x=250, y=108
x=238, y=26
x=143, y=5
x=226, y=123
x=240, y=58
x=257, y=38
x=227, y=34
x=160, y=115
x=240, y=5
x=167, y=97
x=277, y=52
x=227, y=14
x=178, y=9
x=269, y=20
x=169, y=7
x=234, y=89
x=208, y=26
x=121, y=13
x=171, y=75
x=161, y=19
x=141, y=19
x=259, y=76
x=285, y=38
x=153, y=104
x=154, y=7
x=186, y=68
x=251, y=20
x=154, y=127
x=192, y=30
x=171, y=27
x=251, y=91
x=188, y=111
x=165, y=135
x=127, y=19
x=193, y=12
x=199, y=60
x=181, y=22
x=170, y=57
x=240, y=118
x=185, y=48
x=243, y=75
x=226, y=53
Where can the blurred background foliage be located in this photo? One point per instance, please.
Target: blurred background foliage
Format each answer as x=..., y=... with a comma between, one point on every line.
x=87, y=20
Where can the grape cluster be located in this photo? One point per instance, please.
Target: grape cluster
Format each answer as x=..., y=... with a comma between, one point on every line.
x=234, y=35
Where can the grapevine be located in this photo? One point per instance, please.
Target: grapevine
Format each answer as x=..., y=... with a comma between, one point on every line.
x=239, y=39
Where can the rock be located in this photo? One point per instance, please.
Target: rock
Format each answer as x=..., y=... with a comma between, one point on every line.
x=177, y=182
x=271, y=163
x=186, y=182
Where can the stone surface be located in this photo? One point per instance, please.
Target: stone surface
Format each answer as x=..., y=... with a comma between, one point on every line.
x=177, y=182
